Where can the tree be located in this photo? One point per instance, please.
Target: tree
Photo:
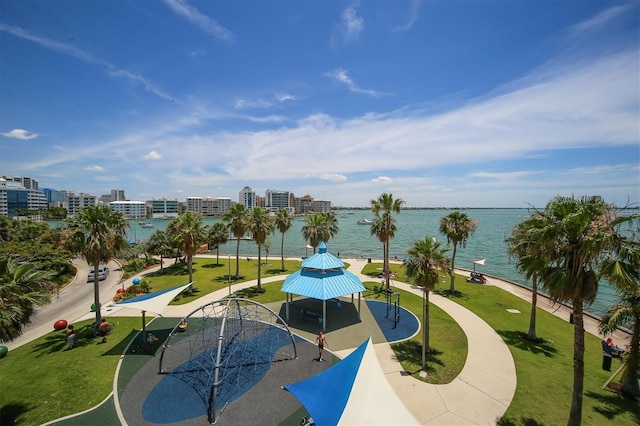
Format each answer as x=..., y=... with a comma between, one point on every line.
x=284, y=221
x=218, y=234
x=457, y=227
x=577, y=234
x=236, y=217
x=260, y=224
x=97, y=233
x=159, y=244
x=22, y=286
x=319, y=227
x=622, y=270
x=384, y=227
x=529, y=254
x=425, y=262
x=187, y=231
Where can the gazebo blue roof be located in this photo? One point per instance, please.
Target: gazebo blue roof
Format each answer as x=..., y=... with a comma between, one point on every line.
x=322, y=277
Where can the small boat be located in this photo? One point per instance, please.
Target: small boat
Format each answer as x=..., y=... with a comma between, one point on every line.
x=146, y=224
x=365, y=221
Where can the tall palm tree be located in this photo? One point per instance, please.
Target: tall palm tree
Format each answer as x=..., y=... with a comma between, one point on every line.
x=384, y=228
x=159, y=245
x=97, y=233
x=319, y=227
x=457, y=227
x=529, y=254
x=260, y=224
x=578, y=234
x=218, y=234
x=623, y=272
x=236, y=218
x=22, y=286
x=425, y=262
x=284, y=221
x=187, y=231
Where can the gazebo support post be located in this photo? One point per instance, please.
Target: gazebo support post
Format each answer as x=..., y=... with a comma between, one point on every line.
x=324, y=315
x=359, y=317
x=144, y=327
x=287, y=306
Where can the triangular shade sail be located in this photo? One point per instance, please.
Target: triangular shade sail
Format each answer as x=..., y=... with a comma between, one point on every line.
x=354, y=391
x=155, y=302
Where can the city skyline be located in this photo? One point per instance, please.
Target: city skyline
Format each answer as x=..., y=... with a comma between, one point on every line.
x=442, y=104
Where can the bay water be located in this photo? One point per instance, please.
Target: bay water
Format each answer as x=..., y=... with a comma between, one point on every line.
x=353, y=240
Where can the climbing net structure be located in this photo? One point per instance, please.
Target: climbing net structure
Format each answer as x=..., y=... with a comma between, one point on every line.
x=224, y=347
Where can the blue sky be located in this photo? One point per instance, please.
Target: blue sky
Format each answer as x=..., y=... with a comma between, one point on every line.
x=442, y=103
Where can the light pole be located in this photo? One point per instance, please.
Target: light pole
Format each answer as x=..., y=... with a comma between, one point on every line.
x=229, y=275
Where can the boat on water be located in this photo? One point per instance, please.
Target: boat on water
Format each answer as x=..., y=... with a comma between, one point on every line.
x=146, y=224
x=365, y=221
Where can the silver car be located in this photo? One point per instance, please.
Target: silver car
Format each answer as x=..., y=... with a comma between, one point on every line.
x=103, y=273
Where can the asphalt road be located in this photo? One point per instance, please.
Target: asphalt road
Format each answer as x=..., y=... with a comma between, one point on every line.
x=71, y=303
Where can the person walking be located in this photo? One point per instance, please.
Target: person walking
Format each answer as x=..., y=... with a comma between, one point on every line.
x=71, y=336
x=321, y=341
x=104, y=329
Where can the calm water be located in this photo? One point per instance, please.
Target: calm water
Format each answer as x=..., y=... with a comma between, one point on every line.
x=494, y=225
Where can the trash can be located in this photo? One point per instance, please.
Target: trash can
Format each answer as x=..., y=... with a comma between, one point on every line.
x=606, y=362
x=369, y=260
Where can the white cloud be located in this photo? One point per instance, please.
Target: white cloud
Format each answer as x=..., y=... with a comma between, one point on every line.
x=284, y=97
x=21, y=134
x=382, y=179
x=153, y=155
x=247, y=103
x=94, y=168
x=205, y=23
x=601, y=19
x=340, y=75
x=333, y=177
x=414, y=8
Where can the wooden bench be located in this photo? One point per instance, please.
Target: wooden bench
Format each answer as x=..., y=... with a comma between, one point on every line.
x=311, y=315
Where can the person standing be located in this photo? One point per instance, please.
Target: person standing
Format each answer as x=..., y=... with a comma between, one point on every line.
x=104, y=329
x=321, y=341
x=71, y=336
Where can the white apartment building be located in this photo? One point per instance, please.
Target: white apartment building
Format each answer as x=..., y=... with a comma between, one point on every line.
x=194, y=205
x=130, y=209
x=164, y=208
x=14, y=196
x=276, y=200
x=76, y=202
x=247, y=198
x=321, y=206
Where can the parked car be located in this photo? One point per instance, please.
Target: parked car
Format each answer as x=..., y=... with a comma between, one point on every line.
x=103, y=272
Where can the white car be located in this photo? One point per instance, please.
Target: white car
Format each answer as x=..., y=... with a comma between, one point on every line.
x=103, y=273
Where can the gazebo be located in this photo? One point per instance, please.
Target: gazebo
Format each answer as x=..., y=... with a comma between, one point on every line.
x=322, y=277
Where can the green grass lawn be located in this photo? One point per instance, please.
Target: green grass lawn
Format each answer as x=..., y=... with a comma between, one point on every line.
x=43, y=380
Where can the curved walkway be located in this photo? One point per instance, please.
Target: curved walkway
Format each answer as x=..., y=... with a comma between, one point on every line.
x=479, y=395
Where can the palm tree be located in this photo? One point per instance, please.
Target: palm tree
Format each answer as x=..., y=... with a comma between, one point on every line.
x=218, y=234
x=577, y=235
x=457, y=227
x=22, y=286
x=384, y=228
x=425, y=262
x=236, y=217
x=97, y=233
x=623, y=272
x=319, y=227
x=159, y=245
x=187, y=231
x=260, y=224
x=529, y=254
x=284, y=221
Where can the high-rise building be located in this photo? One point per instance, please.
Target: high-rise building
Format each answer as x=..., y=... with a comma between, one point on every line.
x=247, y=198
x=118, y=195
x=25, y=181
x=164, y=208
x=276, y=200
x=14, y=197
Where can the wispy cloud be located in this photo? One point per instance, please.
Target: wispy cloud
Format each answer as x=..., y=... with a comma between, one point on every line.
x=99, y=169
x=153, y=155
x=284, y=97
x=21, y=134
x=382, y=179
x=251, y=103
x=333, y=177
x=349, y=27
x=340, y=75
x=414, y=9
x=196, y=17
x=85, y=57
x=601, y=19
